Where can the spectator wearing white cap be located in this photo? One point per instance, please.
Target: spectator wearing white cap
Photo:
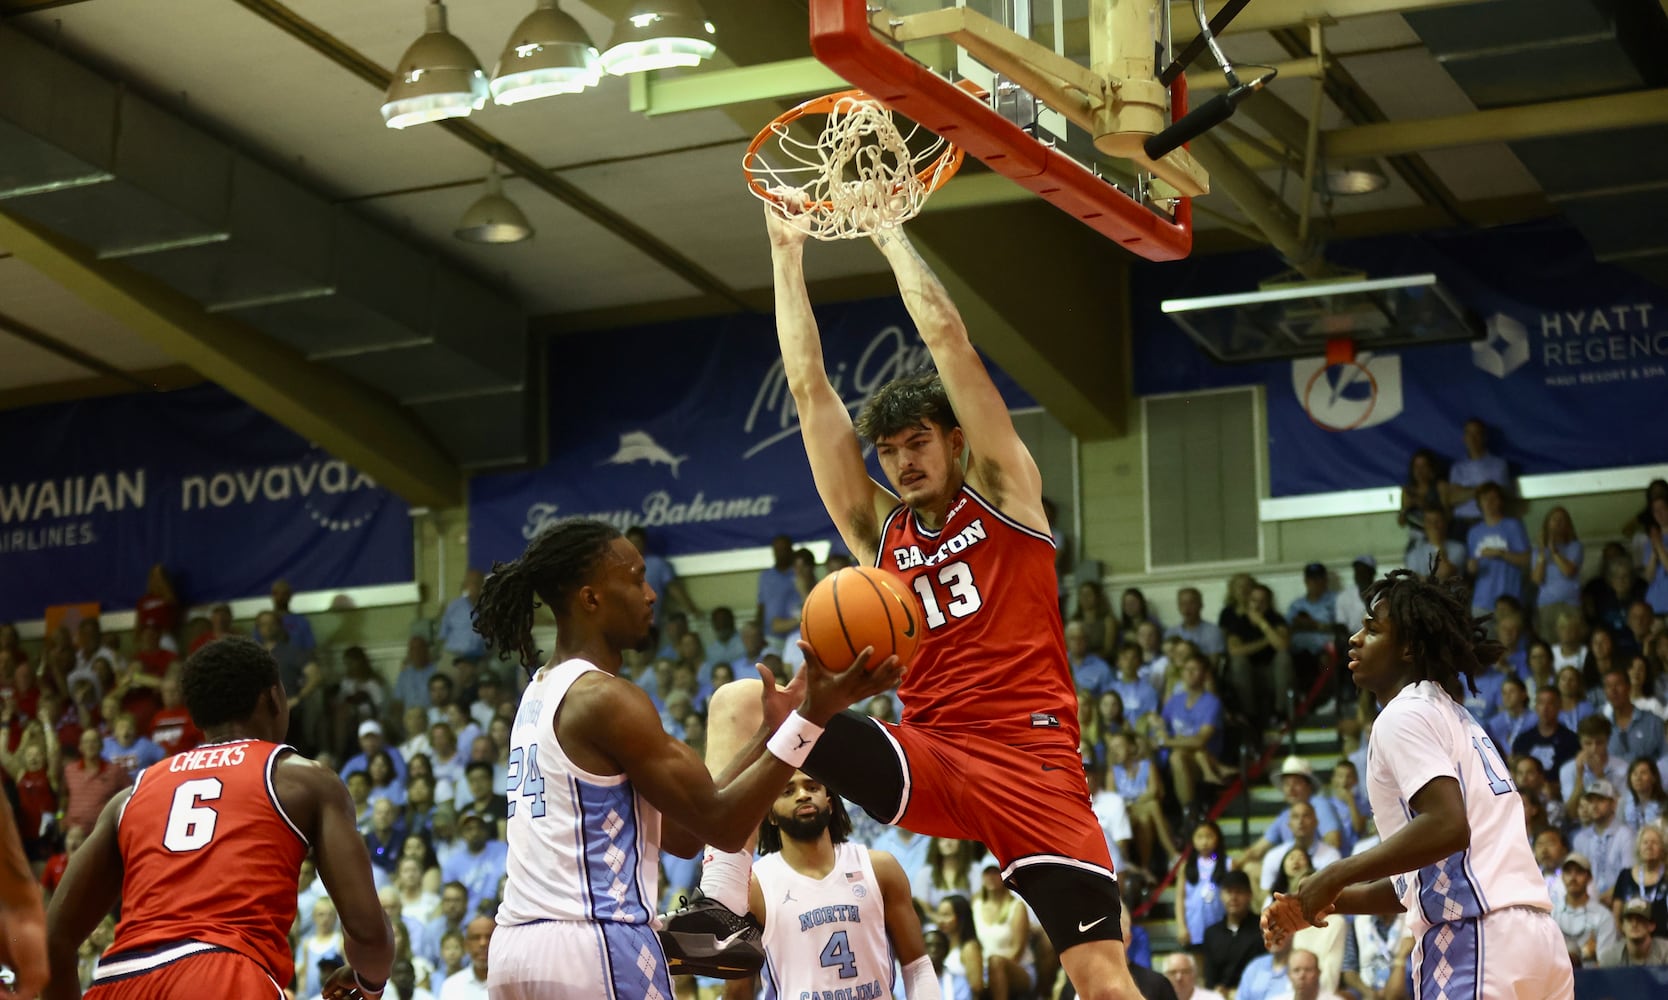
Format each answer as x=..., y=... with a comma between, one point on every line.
x=1587, y=925
x=1603, y=838
x=1296, y=781
x=1638, y=945
x=370, y=744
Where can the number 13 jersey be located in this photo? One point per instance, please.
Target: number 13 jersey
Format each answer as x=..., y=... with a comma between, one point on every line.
x=825, y=937
x=993, y=661
x=208, y=855
x=583, y=846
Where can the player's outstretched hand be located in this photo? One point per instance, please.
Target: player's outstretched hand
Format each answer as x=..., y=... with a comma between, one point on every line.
x=778, y=701
x=828, y=692
x=1282, y=918
x=343, y=986
x=784, y=234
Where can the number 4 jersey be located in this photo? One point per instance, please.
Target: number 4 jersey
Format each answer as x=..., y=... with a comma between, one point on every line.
x=993, y=661
x=583, y=846
x=209, y=856
x=825, y=939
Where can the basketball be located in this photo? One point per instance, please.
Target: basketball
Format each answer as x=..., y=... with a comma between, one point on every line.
x=856, y=607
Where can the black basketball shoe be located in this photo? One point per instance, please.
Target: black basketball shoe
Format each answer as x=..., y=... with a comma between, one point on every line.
x=703, y=937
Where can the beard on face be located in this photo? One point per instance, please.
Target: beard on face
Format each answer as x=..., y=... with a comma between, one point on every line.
x=805, y=828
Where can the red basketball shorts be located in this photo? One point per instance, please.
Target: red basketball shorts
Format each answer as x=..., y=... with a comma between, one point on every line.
x=153, y=976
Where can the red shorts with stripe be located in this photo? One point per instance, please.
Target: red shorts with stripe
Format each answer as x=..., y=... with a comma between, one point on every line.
x=216, y=973
x=1026, y=805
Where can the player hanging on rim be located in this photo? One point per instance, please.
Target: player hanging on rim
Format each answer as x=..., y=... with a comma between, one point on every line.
x=596, y=786
x=1452, y=854
x=987, y=749
x=207, y=859
x=835, y=914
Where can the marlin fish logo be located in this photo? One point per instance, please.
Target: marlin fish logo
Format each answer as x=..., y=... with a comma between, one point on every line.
x=638, y=446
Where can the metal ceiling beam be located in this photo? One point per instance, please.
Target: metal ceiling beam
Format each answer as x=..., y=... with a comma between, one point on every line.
x=1260, y=204
x=164, y=379
x=1271, y=15
x=348, y=419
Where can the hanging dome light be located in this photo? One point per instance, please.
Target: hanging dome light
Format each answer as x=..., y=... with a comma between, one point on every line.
x=493, y=218
x=548, y=53
x=437, y=78
x=659, y=34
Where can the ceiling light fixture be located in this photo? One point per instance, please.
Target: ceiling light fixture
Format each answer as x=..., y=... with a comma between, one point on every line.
x=659, y=34
x=1349, y=177
x=548, y=53
x=437, y=78
x=493, y=218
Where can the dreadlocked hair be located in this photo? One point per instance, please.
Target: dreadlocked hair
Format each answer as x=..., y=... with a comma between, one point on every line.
x=1432, y=619
x=903, y=403
x=554, y=565
x=839, y=827
x=224, y=681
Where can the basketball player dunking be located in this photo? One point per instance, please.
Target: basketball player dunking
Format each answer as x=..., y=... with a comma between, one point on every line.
x=835, y=914
x=596, y=785
x=205, y=854
x=1452, y=854
x=987, y=749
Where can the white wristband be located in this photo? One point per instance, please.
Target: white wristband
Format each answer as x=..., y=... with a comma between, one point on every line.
x=792, y=741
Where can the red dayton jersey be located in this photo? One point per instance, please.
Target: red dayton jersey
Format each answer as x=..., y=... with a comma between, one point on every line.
x=993, y=661
x=209, y=855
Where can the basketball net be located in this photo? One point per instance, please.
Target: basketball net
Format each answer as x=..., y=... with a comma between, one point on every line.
x=861, y=175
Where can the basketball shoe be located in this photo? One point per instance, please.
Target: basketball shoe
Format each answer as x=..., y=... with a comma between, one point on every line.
x=703, y=937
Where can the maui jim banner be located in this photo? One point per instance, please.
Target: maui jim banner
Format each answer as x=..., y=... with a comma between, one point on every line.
x=689, y=430
x=93, y=493
x=1573, y=373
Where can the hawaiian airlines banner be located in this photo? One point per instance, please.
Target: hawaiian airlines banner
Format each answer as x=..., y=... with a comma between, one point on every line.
x=688, y=429
x=93, y=493
x=1572, y=374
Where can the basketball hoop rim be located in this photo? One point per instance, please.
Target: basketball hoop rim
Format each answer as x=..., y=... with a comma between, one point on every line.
x=932, y=175
x=1372, y=398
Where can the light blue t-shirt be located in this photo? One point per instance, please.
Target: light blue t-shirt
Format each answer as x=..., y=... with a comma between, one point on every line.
x=1496, y=576
x=1182, y=719
x=1558, y=588
x=1323, y=609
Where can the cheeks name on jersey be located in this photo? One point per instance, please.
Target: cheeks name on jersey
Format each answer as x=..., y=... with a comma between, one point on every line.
x=862, y=991
x=829, y=915
x=911, y=557
x=196, y=760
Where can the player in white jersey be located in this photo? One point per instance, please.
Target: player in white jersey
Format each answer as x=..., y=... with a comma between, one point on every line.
x=835, y=914
x=1452, y=852
x=597, y=788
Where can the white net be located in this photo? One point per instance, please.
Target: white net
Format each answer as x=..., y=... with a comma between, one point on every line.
x=861, y=175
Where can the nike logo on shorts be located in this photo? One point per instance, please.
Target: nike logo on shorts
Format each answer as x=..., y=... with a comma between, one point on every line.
x=1085, y=927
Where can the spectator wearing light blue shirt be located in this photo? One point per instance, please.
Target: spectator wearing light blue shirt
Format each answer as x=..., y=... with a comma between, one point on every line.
x=1265, y=978
x=479, y=863
x=1313, y=619
x=778, y=595
x=1557, y=571
x=299, y=630
x=411, y=684
x=1207, y=636
x=127, y=749
x=1499, y=552
x=1140, y=698
x=1466, y=476
x=660, y=575
x=457, y=623
x=1092, y=673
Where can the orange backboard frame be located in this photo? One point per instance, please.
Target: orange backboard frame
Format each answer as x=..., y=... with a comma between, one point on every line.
x=842, y=40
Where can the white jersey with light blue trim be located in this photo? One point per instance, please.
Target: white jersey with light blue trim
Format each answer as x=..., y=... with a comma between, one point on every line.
x=582, y=846
x=1424, y=734
x=825, y=939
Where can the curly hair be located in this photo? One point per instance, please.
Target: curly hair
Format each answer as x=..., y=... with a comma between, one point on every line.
x=903, y=403
x=1432, y=619
x=224, y=681
x=554, y=565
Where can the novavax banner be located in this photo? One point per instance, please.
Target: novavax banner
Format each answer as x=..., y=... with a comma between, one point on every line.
x=689, y=430
x=93, y=493
x=1572, y=372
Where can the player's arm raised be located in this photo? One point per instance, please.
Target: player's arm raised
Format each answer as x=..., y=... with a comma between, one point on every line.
x=324, y=812
x=22, y=923
x=903, y=927
x=92, y=884
x=616, y=721
x=1002, y=467
x=854, y=500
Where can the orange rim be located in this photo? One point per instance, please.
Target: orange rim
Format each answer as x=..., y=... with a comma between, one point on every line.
x=932, y=175
x=1372, y=398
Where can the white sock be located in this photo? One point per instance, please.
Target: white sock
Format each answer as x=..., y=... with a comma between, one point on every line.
x=724, y=877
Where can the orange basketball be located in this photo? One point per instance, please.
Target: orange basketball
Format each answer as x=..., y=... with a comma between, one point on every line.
x=857, y=607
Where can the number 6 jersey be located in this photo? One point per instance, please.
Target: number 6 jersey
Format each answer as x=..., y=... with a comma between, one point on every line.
x=583, y=846
x=825, y=939
x=993, y=662
x=208, y=856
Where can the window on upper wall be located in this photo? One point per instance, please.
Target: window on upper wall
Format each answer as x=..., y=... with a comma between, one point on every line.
x=1204, y=461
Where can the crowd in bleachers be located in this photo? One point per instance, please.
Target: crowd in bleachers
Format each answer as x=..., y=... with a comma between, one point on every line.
x=1175, y=705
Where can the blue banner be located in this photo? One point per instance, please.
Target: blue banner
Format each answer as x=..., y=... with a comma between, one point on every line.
x=1575, y=361
x=688, y=429
x=93, y=493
